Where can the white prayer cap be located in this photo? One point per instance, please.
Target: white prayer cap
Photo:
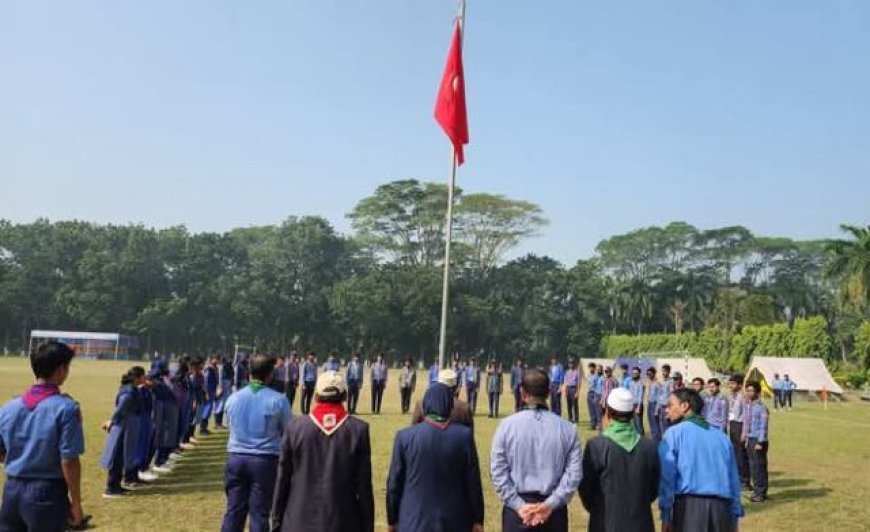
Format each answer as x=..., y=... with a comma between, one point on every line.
x=620, y=400
x=330, y=384
x=447, y=377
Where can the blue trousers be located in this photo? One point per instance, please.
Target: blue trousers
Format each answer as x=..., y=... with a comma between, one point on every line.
x=556, y=400
x=31, y=505
x=637, y=420
x=250, y=485
x=593, y=403
x=655, y=428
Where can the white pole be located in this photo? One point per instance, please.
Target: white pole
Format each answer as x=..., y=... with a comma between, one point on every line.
x=451, y=186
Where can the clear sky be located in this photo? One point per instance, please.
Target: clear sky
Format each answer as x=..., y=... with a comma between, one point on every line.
x=610, y=115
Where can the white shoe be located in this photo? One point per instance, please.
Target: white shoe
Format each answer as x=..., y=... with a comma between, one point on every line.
x=147, y=476
x=193, y=440
x=162, y=469
x=175, y=456
x=187, y=446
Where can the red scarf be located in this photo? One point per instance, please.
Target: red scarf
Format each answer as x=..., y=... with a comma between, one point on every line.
x=39, y=393
x=328, y=416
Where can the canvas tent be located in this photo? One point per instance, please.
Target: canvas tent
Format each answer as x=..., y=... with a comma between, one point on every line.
x=809, y=374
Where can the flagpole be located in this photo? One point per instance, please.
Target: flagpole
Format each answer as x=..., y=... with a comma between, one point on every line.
x=451, y=186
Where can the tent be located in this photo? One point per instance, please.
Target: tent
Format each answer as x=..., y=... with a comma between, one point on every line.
x=809, y=374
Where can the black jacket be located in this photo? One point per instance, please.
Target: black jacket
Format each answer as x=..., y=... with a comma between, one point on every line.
x=324, y=482
x=618, y=488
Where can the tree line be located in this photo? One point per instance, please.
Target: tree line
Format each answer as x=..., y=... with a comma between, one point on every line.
x=302, y=285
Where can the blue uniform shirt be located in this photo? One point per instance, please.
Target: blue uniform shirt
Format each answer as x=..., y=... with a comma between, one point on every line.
x=516, y=378
x=626, y=382
x=598, y=384
x=332, y=365
x=557, y=375
x=355, y=372
x=697, y=461
x=655, y=392
x=309, y=372
x=716, y=410
x=37, y=440
x=257, y=421
x=636, y=389
x=755, y=425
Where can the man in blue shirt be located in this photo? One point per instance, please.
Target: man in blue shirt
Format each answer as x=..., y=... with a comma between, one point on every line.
x=778, y=396
x=354, y=382
x=625, y=380
x=699, y=487
x=788, y=388
x=309, y=381
x=635, y=387
x=516, y=381
x=715, y=405
x=257, y=415
x=593, y=396
x=535, y=462
x=755, y=438
x=654, y=394
x=472, y=384
x=557, y=378
x=41, y=440
x=380, y=374
x=211, y=378
x=433, y=373
x=332, y=362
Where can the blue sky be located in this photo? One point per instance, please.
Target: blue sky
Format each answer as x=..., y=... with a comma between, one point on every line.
x=610, y=115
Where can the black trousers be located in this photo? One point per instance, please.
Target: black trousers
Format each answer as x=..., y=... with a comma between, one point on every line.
x=573, y=404
x=710, y=514
x=377, y=396
x=518, y=400
x=788, y=395
x=307, y=396
x=493, y=403
x=511, y=522
x=735, y=430
x=471, y=396
x=757, y=467
x=291, y=395
x=352, y=397
x=406, y=399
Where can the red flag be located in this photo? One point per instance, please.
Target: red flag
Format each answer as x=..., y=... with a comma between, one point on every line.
x=450, y=105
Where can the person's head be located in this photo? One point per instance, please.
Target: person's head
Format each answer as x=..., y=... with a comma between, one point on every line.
x=471, y=362
x=407, y=362
x=620, y=405
x=666, y=371
x=330, y=388
x=50, y=362
x=213, y=360
x=698, y=384
x=751, y=390
x=651, y=374
x=683, y=403
x=135, y=377
x=535, y=387
x=735, y=383
x=447, y=377
x=624, y=368
x=635, y=373
x=572, y=364
x=438, y=401
x=312, y=356
x=678, y=377
x=608, y=372
x=380, y=357
x=279, y=362
x=776, y=375
x=262, y=368
x=713, y=385
x=591, y=367
x=355, y=357
x=599, y=370
x=293, y=356
x=785, y=377
x=519, y=362
x=553, y=361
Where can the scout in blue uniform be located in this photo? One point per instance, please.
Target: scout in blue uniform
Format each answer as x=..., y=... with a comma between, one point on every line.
x=636, y=389
x=166, y=413
x=41, y=440
x=593, y=396
x=557, y=378
x=354, y=383
x=309, y=381
x=197, y=397
x=380, y=374
x=516, y=382
x=654, y=397
x=227, y=373
x=144, y=447
x=211, y=381
x=181, y=387
x=119, y=453
x=755, y=431
x=472, y=384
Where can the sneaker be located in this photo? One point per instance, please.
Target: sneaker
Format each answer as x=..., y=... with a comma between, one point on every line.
x=758, y=498
x=193, y=440
x=114, y=494
x=133, y=486
x=162, y=469
x=147, y=476
x=187, y=446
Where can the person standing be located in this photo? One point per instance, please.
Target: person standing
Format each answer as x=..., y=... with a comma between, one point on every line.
x=309, y=381
x=699, y=487
x=211, y=382
x=292, y=378
x=471, y=376
x=715, y=406
x=608, y=384
x=736, y=413
x=407, y=384
x=516, y=382
x=434, y=477
x=461, y=413
x=41, y=440
x=778, y=396
x=119, y=452
x=494, y=385
x=257, y=416
x=557, y=379
x=625, y=379
x=636, y=390
x=279, y=382
x=332, y=362
x=224, y=390
x=654, y=393
x=241, y=371
x=755, y=438
x=166, y=413
x=593, y=395
x=326, y=455
x=379, y=383
x=788, y=388
x=433, y=373
x=620, y=472
x=535, y=462
x=354, y=382
x=667, y=388
x=572, y=386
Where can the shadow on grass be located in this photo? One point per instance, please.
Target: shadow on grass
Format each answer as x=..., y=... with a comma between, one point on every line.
x=191, y=487
x=788, y=482
x=786, y=496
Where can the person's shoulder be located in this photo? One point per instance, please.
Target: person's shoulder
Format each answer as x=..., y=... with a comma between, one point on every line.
x=356, y=423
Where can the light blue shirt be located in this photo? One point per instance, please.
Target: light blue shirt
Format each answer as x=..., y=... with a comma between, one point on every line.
x=535, y=451
x=716, y=410
x=309, y=372
x=597, y=384
x=557, y=375
x=626, y=381
x=331, y=365
x=355, y=372
x=697, y=461
x=636, y=389
x=655, y=392
x=257, y=421
x=37, y=440
x=755, y=425
x=379, y=372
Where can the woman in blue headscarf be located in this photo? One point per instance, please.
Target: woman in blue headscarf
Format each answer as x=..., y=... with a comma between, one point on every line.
x=434, y=481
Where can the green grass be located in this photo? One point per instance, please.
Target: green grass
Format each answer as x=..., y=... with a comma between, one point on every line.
x=819, y=464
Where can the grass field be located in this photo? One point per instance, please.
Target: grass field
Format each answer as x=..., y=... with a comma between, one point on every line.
x=819, y=464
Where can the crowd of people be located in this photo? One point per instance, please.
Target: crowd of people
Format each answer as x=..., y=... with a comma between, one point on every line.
x=313, y=472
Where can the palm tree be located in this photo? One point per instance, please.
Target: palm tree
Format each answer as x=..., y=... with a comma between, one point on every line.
x=849, y=263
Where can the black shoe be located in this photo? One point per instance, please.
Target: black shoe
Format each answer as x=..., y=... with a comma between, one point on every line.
x=758, y=498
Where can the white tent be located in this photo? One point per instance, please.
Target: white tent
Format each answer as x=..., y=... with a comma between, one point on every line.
x=809, y=374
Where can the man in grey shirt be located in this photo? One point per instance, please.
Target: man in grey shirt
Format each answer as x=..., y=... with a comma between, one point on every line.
x=535, y=462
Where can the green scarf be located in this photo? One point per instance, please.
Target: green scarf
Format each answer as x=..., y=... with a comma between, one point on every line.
x=437, y=418
x=256, y=385
x=697, y=420
x=623, y=434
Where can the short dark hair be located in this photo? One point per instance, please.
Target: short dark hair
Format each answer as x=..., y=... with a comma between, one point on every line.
x=262, y=366
x=738, y=378
x=591, y=365
x=536, y=383
x=715, y=381
x=755, y=385
x=620, y=416
x=697, y=379
x=688, y=395
x=48, y=357
x=650, y=369
x=636, y=368
x=666, y=366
